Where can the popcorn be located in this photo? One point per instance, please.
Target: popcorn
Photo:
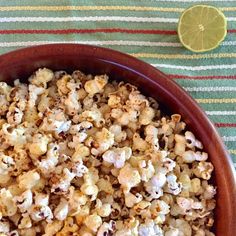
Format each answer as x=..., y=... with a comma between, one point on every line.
x=24, y=201
x=117, y=156
x=7, y=204
x=146, y=115
x=93, y=222
x=28, y=179
x=172, y=185
x=104, y=139
x=150, y=229
x=14, y=136
x=42, y=77
x=39, y=145
x=61, y=210
x=106, y=229
x=52, y=228
x=39, y=212
x=25, y=223
x=128, y=177
x=6, y=164
x=96, y=85
x=4, y=227
x=190, y=156
x=14, y=115
x=203, y=170
x=83, y=156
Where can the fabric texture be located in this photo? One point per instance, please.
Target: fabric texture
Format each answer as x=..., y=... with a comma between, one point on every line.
x=145, y=29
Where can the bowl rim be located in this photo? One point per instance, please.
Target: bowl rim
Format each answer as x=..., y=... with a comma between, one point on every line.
x=132, y=63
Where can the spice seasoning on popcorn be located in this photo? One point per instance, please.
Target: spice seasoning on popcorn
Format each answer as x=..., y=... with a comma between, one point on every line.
x=82, y=155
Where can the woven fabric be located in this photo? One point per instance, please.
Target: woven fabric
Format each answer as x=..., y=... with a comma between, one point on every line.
x=143, y=28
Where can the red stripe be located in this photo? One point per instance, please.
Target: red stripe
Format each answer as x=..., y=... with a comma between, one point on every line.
x=231, y=31
x=225, y=125
x=86, y=31
x=172, y=76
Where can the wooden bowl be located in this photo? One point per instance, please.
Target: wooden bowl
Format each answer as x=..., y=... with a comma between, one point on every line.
x=89, y=59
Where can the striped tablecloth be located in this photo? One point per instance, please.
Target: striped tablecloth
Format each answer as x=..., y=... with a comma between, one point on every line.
x=143, y=28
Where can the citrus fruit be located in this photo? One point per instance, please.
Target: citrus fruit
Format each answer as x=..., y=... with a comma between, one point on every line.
x=202, y=28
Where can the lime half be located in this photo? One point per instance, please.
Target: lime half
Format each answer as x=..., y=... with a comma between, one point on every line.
x=202, y=28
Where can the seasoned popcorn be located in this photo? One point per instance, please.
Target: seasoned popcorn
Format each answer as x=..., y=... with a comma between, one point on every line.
x=81, y=155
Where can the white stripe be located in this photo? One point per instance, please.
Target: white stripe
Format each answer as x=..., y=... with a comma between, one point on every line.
x=94, y=19
x=209, y=89
x=228, y=43
x=231, y=18
x=196, y=68
x=113, y=42
x=221, y=113
x=229, y=138
x=89, y=18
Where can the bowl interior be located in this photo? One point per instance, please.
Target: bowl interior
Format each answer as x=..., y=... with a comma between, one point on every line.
x=22, y=63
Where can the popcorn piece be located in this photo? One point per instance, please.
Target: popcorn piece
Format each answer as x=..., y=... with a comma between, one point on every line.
x=190, y=156
x=61, y=210
x=4, y=227
x=52, y=228
x=72, y=103
x=93, y=222
x=39, y=144
x=146, y=170
x=172, y=185
x=38, y=213
x=14, y=115
x=47, y=165
x=6, y=164
x=146, y=116
x=118, y=133
x=151, y=136
x=25, y=223
x=131, y=199
x=180, y=144
x=192, y=141
x=139, y=143
x=29, y=179
x=203, y=170
x=14, y=137
x=106, y=229
x=154, y=186
x=42, y=77
x=150, y=229
x=7, y=204
x=4, y=104
x=128, y=177
x=104, y=139
x=103, y=210
x=117, y=156
x=24, y=201
x=96, y=85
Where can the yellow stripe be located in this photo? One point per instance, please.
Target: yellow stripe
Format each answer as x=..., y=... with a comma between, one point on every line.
x=227, y=8
x=232, y=151
x=216, y=100
x=183, y=56
x=100, y=8
x=88, y=8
